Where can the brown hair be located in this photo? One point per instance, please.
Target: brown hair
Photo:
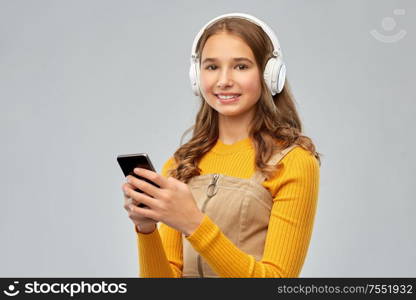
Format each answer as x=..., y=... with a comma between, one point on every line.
x=271, y=130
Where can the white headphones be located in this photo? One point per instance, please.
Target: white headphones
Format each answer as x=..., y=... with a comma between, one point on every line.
x=274, y=72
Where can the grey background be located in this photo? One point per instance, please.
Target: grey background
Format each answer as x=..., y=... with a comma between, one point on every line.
x=83, y=81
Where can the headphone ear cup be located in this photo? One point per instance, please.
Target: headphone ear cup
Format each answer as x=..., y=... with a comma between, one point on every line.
x=268, y=73
x=274, y=75
x=193, y=76
x=280, y=75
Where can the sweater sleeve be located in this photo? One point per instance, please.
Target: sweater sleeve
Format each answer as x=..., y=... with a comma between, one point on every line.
x=160, y=252
x=295, y=194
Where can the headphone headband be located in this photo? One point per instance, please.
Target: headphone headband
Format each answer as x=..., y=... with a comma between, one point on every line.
x=276, y=46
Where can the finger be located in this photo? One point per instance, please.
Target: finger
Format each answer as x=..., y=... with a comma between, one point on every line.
x=128, y=198
x=145, y=212
x=129, y=201
x=160, y=180
x=125, y=187
x=143, y=198
x=134, y=215
x=144, y=186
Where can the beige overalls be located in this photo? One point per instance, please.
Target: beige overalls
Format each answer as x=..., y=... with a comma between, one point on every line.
x=241, y=209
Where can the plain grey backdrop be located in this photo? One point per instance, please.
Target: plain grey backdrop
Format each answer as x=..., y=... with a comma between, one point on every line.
x=84, y=81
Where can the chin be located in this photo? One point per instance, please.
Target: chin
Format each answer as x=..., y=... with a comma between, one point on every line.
x=230, y=112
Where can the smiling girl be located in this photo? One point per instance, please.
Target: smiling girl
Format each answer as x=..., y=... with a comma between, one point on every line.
x=239, y=198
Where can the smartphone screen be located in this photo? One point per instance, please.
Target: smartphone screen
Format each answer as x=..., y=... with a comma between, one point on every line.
x=128, y=162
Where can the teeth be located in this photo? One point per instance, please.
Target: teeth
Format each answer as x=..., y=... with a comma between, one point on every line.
x=226, y=97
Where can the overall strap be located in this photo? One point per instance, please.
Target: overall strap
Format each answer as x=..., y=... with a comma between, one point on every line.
x=258, y=176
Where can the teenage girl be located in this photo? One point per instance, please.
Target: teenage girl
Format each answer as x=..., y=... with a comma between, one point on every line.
x=239, y=198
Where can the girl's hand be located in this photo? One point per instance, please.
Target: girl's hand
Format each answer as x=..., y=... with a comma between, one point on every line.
x=172, y=204
x=143, y=224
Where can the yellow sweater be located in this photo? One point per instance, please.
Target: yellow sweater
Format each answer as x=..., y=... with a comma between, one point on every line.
x=295, y=193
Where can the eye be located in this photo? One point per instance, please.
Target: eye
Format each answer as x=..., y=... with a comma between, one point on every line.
x=243, y=66
x=209, y=67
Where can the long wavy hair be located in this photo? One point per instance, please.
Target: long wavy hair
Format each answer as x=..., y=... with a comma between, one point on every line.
x=272, y=129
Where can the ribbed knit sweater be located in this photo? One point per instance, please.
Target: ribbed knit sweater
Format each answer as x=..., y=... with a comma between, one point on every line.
x=295, y=194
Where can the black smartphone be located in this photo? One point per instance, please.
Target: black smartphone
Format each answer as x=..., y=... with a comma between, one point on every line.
x=128, y=162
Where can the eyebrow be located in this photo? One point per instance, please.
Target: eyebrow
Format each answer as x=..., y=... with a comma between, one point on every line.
x=236, y=59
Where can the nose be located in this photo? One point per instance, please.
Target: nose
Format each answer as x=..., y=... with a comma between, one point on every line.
x=224, y=79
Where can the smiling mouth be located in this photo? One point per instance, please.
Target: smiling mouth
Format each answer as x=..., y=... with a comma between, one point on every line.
x=228, y=99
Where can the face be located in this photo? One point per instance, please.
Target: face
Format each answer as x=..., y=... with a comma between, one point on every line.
x=228, y=69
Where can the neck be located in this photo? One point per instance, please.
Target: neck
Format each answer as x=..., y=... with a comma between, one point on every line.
x=234, y=128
